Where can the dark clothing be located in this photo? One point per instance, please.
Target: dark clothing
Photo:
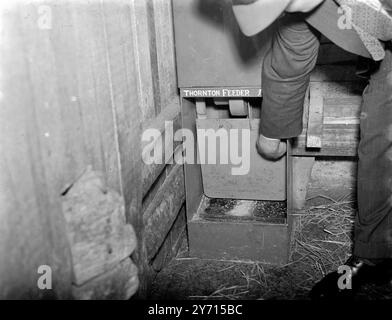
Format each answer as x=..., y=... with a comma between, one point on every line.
x=288, y=64
x=285, y=79
x=326, y=19
x=373, y=224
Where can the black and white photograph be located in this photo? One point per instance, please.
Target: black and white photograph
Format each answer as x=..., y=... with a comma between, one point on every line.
x=193, y=156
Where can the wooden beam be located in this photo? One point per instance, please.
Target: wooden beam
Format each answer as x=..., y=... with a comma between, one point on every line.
x=150, y=172
x=341, y=117
x=164, y=172
x=163, y=210
x=172, y=243
x=338, y=140
x=126, y=113
x=169, y=113
x=142, y=54
x=301, y=171
x=162, y=39
x=315, y=119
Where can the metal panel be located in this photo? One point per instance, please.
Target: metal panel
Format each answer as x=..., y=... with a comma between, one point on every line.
x=193, y=178
x=264, y=179
x=223, y=240
x=211, y=50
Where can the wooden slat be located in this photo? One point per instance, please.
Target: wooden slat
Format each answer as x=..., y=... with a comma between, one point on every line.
x=342, y=105
x=171, y=112
x=150, y=172
x=70, y=97
x=142, y=53
x=155, y=175
x=94, y=92
x=172, y=243
x=342, y=110
x=314, y=132
x=159, y=180
x=125, y=108
x=127, y=114
x=301, y=169
x=163, y=210
x=32, y=229
x=338, y=140
x=74, y=95
x=164, y=40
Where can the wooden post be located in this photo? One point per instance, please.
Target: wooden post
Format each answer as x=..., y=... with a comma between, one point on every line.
x=315, y=118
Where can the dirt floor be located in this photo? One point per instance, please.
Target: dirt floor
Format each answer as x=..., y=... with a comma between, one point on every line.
x=322, y=242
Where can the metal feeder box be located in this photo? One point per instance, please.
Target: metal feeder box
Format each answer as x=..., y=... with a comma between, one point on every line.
x=232, y=214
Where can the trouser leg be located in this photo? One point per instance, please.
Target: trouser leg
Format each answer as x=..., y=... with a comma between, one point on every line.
x=285, y=77
x=373, y=224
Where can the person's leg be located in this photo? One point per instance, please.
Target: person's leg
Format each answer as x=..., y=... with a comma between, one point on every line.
x=373, y=224
x=371, y=260
x=285, y=77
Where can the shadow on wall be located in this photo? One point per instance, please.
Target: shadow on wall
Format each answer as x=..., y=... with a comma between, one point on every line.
x=220, y=14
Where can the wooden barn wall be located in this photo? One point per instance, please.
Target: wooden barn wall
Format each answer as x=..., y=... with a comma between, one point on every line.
x=78, y=87
x=162, y=184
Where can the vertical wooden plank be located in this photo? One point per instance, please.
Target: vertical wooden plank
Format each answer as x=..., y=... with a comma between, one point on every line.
x=290, y=194
x=50, y=62
x=57, y=120
x=315, y=119
x=153, y=55
x=142, y=54
x=74, y=94
x=94, y=94
x=32, y=226
x=172, y=243
x=68, y=64
x=68, y=69
x=164, y=35
x=127, y=114
x=193, y=175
